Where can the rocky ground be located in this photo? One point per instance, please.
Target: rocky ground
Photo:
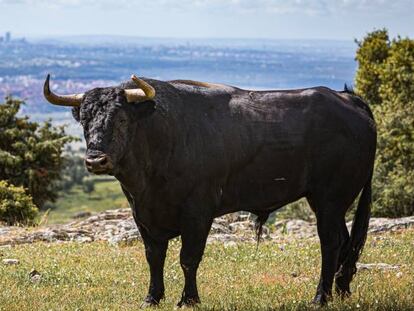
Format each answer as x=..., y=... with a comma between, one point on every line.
x=117, y=226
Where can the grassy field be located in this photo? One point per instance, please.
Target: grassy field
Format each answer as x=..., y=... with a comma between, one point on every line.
x=280, y=276
x=107, y=195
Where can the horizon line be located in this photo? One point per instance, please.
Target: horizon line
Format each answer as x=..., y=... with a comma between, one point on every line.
x=18, y=35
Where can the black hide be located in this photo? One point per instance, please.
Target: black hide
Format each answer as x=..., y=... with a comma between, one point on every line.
x=198, y=152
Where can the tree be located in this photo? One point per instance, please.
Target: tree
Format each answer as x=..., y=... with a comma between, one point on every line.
x=385, y=78
x=371, y=54
x=30, y=153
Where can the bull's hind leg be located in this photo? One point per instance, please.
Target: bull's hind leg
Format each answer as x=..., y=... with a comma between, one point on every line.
x=342, y=280
x=356, y=241
x=330, y=220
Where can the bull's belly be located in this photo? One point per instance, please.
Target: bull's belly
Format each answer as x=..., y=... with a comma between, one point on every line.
x=272, y=179
x=260, y=194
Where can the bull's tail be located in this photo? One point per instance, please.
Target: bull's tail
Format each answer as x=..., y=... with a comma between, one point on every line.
x=260, y=221
x=359, y=229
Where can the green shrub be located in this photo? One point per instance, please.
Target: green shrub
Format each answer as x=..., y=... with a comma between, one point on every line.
x=30, y=153
x=385, y=78
x=16, y=207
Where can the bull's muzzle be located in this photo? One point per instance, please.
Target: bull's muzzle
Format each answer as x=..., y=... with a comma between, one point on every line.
x=98, y=164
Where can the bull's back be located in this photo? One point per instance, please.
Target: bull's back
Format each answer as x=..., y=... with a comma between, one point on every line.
x=291, y=139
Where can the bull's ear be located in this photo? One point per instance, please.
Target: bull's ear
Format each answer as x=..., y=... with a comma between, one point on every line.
x=76, y=113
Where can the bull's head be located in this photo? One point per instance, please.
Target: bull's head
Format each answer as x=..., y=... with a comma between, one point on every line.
x=105, y=115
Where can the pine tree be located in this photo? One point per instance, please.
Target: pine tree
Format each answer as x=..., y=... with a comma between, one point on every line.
x=30, y=153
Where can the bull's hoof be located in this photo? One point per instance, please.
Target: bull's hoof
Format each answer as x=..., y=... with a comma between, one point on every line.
x=150, y=302
x=188, y=302
x=321, y=299
x=343, y=292
x=342, y=286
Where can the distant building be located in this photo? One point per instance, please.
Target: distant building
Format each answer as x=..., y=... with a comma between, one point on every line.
x=7, y=38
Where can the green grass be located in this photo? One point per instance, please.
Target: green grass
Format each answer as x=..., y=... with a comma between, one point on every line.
x=97, y=276
x=107, y=195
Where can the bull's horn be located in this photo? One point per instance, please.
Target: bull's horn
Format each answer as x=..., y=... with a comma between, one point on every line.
x=72, y=100
x=142, y=93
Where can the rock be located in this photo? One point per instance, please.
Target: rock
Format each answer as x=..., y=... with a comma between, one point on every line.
x=378, y=266
x=297, y=227
x=10, y=261
x=83, y=239
x=118, y=226
x=241, y=226
x=230, y=244
x=35, y=276
x=81, y=215
x=379, y=225
x=219, y=228
x=54, y=235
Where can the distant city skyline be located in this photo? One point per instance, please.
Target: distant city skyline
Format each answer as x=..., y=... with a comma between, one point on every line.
x=272, y=19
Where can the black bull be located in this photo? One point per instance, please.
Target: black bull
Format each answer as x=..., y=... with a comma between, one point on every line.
x=198, y=151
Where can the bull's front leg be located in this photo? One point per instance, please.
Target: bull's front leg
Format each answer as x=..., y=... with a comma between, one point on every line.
x=155, y=252
x=196, y=221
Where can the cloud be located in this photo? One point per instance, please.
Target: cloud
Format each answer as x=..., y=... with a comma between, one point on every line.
x=309, y=7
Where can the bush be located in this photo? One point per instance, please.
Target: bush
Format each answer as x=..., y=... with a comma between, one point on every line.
x=88, y=185
x=385, y=79
x=30, y=153
x=16, y=207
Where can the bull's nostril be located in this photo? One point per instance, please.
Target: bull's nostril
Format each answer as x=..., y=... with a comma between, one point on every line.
x=98, y=164
x=103, y=161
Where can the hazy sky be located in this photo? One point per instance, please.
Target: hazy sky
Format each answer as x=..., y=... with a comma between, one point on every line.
x=328, y=19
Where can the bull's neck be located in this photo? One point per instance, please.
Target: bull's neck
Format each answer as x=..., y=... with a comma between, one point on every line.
x=146, y=153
